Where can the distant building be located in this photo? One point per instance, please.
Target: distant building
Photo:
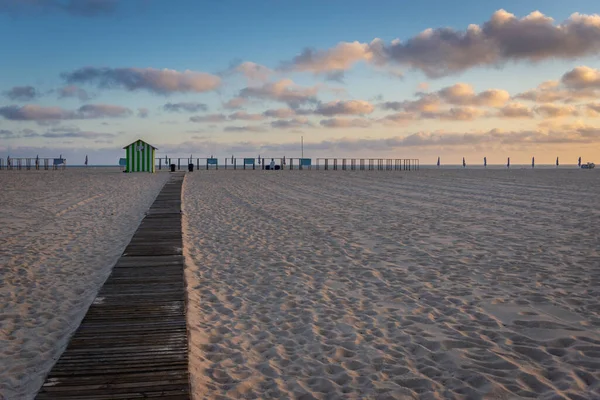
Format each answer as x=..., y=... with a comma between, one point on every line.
x=140, y=157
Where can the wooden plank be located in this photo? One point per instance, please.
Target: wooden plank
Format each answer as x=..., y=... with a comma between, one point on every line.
x=133, y=341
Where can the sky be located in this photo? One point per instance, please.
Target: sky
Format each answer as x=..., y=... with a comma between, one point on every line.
x=378, y=79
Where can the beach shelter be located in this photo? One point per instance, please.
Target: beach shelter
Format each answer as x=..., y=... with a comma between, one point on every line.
x=140, y=156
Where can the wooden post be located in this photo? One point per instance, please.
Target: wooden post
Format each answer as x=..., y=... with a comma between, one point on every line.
x=326, y=164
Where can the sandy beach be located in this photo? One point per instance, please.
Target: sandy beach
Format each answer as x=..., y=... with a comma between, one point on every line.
x=61, y=233
x=440, y=284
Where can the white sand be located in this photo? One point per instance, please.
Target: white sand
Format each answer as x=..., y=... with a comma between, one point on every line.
x=60, y=234
x=438, y=284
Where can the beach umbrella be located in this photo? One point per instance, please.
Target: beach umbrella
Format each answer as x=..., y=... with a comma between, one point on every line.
x=438, y=163
x=508, y=163
x=557, y=161
x=464, y=163
x=485, y=162
x=579, y=162
x=532, y=162
x=86, y=160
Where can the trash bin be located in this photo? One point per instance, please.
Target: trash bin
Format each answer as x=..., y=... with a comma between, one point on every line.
x=172, y=167
x=191, y=167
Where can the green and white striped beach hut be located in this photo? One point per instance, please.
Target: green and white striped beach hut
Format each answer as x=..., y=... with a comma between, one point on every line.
x=140, y=157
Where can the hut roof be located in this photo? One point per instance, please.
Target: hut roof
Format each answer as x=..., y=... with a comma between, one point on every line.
x=140, y=140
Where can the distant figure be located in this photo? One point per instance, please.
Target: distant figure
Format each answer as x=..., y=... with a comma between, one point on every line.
x=556, y=162
x=438, y=163
x=272, y=164
x=579, y=162
x=532, y=162
x=485, y=162
x=464, y=163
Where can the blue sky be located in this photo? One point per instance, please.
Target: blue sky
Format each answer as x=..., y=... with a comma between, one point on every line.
x=350, y=96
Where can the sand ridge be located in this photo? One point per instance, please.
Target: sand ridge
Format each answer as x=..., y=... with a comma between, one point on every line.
x=436, y=284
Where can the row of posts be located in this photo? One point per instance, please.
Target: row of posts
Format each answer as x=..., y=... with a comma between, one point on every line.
x=29, y=163
x=370, y=164
x=352, y=164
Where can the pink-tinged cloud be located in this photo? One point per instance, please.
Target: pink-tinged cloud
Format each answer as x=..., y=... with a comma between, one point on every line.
x=209, y=118
x=339, y=58
x=345, y=123
x=279, y=113
x=285, y=91
x=350, y=107
x=254, y=72
x=32, y=112
x=556, y=111
x=463, y=94
x=535, y=37
x=399, y=118
x=235, y=103
x=163, y=81
x=593, y=109
x=427, y=103
x=455, y=114
x=578, y=84
x=243, y=115
x=70, y=91
x=582, y=77
x=515, y=110
x=295, y=122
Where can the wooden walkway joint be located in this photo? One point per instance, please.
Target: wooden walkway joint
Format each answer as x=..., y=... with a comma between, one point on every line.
x=133, y=341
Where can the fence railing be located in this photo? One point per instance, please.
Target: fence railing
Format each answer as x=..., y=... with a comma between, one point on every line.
x=351, y=164
x=36, y=163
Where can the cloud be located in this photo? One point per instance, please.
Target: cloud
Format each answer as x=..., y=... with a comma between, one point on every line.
x=235, y=103
x=143, y=112
x=345, y=123
x=399, y=118
x=427, y=103
x=244, y=129
x=285, y=91
x=31, y=112
x=454, y=114
x=102, y=111
x=579, y=83
x=254, y=72
x=6, y=134
x=86, y=8
x=209, y=118
x=22, y=93
x=337, y=59
x=582, y=77
x=350, y=107
x=555, y=111
x=77, y=134
x=535, y=37
x=279, y=113
x=593, y=109
x=243, y=115
x=73, y=91
x=295, y=122
x=163, y=81
x=463, y=94
x=185, y=106
x=515, y=110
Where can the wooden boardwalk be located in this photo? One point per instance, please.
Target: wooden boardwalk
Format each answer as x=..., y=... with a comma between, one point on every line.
x=133, y=340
